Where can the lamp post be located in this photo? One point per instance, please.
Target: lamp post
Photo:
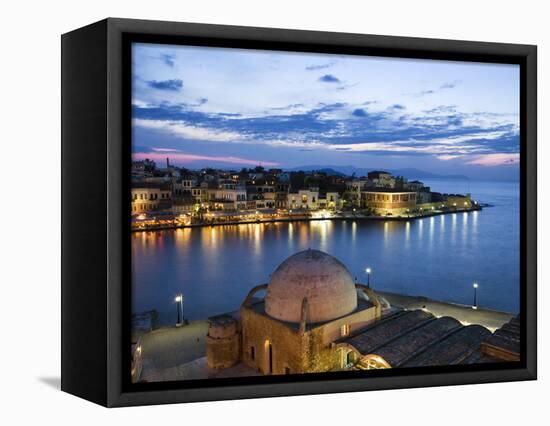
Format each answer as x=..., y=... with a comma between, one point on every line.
x=475, y=296
x=179, y=308
x=368, y=271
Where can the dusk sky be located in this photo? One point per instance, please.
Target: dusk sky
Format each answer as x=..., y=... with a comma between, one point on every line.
x=234, y=108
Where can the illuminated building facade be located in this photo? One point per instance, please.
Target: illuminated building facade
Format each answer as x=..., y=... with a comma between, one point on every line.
x=150, y=197
x=388, y=201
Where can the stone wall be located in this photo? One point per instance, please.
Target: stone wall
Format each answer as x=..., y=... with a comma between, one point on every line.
x=319, y=355
x=223, y=343
x=258, y=332
x=292, y=352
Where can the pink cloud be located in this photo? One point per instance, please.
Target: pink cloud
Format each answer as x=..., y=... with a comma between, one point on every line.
x=492, y=160
x=182, y=158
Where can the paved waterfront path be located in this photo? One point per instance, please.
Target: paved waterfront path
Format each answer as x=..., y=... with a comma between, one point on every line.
x=195, y=370
x=299, y=218
x=169, y=347
x=171, y=353
x=465, y=314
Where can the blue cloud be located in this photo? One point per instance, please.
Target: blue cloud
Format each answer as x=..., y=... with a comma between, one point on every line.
x=329, y=78
x=444, y=86
x=324, y=124
x=451, y=85
x=170, y=85
x=319, y=67
x=201, y=101
x=167, y=59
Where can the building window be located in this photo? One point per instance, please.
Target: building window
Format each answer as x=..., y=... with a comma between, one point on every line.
x=252, y=353
x=344, y=330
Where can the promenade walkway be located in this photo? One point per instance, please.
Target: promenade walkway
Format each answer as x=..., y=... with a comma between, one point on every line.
x=169, y=347
x=465, y=314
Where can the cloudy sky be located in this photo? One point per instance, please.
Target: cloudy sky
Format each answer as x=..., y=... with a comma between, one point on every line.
x=203, y=106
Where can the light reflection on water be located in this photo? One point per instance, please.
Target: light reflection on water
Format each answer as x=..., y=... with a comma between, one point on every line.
x=439, y=257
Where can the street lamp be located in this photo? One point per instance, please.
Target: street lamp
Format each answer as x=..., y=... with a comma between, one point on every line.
x=179, y=308
x=475, y=296
x=368, y=271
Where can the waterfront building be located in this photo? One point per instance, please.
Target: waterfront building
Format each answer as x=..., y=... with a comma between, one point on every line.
x=330, y=201
x=458, y=201
x=258, y=199
x=313, y=317
x=184, y=185
x=311, y=301
x=415, y=185
x=423, y=197
x=147, y=197
x=356, y=185
x=353, y=190
x=183, y=205
x=388, y=201
x=307, y=199
x=381, y=179
x=197, y=193
x=281, y=195
x=269, y=193
x=228, y=197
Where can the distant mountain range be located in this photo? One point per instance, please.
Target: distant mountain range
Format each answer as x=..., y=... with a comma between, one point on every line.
x=409, y=173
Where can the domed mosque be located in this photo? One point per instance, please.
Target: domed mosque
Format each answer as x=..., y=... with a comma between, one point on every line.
x=313, y=317
x=314, y=281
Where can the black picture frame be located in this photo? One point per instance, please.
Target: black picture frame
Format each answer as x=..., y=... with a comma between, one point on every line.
x=95, y=192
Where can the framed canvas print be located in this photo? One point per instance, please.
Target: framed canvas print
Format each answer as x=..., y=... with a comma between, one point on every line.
x=252, y=212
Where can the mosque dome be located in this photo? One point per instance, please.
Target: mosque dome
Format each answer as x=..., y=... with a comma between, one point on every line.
x=317, y=276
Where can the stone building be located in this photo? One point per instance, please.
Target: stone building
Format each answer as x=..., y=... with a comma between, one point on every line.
x=312, y=317
x=147, y=197
x=458, y=201
x=381, y=179
x=310, y=302
x=388, y=201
